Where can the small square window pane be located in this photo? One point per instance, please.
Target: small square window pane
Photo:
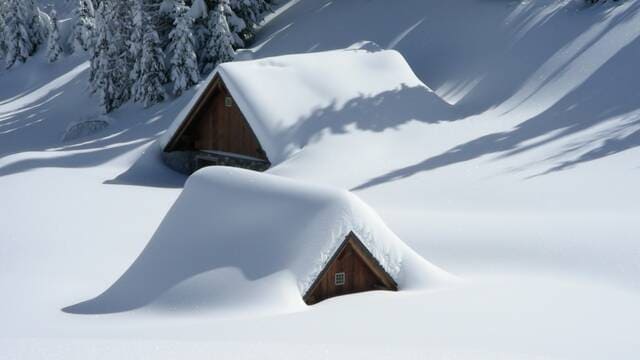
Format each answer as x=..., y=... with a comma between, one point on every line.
x=340, y=278
x=228, y=101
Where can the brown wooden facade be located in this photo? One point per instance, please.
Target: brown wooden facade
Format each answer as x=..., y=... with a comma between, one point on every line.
x=352, y=269
x=216, y=124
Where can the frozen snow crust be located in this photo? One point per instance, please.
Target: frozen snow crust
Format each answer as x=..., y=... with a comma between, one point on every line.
x=261, y=225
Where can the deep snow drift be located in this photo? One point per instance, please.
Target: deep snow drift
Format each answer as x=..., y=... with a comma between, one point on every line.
x=527, y=190
x=263, y=226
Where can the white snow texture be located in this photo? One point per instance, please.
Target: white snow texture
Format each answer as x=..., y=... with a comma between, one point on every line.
x=517, y=172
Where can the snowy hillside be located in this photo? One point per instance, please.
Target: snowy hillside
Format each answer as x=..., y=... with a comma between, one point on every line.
x=523, y=184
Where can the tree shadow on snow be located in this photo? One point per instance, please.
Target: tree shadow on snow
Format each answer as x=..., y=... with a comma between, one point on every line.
x=522, y=52
x=592, y=103
x=34, y=118
x=387, y=110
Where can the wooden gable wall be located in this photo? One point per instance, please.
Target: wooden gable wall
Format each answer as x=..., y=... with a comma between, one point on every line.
x=216, y=123
x=362, y=272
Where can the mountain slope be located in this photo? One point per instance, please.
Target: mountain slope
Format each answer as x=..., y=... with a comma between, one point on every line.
x=525, y=189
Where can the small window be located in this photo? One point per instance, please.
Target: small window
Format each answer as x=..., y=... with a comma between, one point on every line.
x=340, y=278
x=228, y=101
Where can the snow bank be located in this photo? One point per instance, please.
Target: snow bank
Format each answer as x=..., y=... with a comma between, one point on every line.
x=263, y=227
x=278, y=94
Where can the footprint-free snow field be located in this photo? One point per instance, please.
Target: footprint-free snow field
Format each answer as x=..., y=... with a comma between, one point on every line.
x=518, y=196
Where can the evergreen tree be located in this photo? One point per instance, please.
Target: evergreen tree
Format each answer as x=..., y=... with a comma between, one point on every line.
x=219, y=47
x=103, y=81
x=200, y=30
x=17, y=38
x=149, y=87
x=135, y=43
x=251, y=12
x=597, y=1
x=184, y=63
x=37, y=25
x=199, y=9
x=168, y=11
x=242, y=18
x=82, y=33
x=237, y=26
x=122, y=23
x=53, y=45
x=3, y=13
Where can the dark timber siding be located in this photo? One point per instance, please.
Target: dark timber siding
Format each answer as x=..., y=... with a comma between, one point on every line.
x=362, y=273
x=212, y=125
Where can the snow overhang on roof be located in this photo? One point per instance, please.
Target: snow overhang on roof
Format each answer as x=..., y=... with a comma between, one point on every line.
x=261, y=223
x=278, y=94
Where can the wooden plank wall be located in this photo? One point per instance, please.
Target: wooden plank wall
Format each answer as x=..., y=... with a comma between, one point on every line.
x=359, y=276
x=221, y=128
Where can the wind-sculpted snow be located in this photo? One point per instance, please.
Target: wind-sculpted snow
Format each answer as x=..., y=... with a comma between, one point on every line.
x=262, y=226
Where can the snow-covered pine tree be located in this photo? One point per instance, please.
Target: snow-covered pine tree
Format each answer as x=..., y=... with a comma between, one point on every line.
x=3, y=13
x=237, y=26
x=17, y=38
x=218, y=49
x=169, y=7
x=82, y=34
x=242, y=18
x=53, y=44
x=251, y=12
x=135, y=42
x=167, y=13
x=103, y=81
x=184, y=63
x=149, y=87
x=124, y=61
x=199, y=12
x=592, y=2
x=198, y=9
x=37, y=24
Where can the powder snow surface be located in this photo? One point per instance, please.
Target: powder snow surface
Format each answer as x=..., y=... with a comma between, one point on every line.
x=260, y=225
x=525, y=187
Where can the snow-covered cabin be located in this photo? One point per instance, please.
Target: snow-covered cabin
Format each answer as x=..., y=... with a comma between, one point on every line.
x=351, y=269
x=288, y=241
x=245, y=112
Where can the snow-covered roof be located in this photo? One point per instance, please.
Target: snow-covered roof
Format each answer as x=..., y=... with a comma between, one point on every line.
x=261, y=225
x=278, y=93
